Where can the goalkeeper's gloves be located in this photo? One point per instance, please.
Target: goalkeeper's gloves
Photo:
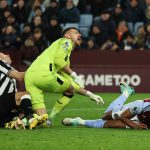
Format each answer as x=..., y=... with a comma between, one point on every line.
x=77, y=79
x=96, y=98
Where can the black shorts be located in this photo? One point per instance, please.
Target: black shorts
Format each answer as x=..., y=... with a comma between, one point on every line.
x=7, y=104
x=8, y=118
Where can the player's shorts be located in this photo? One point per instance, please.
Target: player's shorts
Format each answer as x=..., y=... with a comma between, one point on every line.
x=38, y=82
x=8, y=118
x=7, y=104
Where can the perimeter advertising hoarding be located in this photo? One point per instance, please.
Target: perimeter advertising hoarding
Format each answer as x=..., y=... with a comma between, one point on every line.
x=106, y=78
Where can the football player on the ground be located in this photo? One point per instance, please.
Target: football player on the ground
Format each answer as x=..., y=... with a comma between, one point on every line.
x=10, y=98
x=134, y=115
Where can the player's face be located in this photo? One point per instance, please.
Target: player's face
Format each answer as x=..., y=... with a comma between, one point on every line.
x=5, y=58
x=75, y=37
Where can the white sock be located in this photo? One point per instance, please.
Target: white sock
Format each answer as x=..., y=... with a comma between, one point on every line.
x=31, y=120
x=126, y=94
x=80, y=121
x=25, y=121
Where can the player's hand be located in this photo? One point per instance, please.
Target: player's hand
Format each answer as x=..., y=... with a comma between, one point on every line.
x=97, y=99
x=78, y=80
x=142, y=126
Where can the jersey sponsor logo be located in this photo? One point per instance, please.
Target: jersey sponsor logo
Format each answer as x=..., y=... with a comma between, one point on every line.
x=65, y=46
x=134, y=109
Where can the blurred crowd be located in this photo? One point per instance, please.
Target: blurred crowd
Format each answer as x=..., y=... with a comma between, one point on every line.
x=30, y=26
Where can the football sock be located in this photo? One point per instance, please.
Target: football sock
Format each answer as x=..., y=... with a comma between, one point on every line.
x=99, y=123
x=25, y=121
x=59, y=106
x=26, y=106
x=125, y=93
x=117, y=103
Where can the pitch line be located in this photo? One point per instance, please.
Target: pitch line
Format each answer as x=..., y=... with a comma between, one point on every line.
x=82, y=109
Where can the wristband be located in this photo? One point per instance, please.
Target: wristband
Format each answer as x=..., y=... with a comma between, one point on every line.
x=73, y=75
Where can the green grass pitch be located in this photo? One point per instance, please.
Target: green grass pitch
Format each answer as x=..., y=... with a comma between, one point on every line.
x=60, y=137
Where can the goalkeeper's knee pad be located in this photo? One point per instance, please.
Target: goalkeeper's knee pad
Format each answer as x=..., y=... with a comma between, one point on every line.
x=68, y=95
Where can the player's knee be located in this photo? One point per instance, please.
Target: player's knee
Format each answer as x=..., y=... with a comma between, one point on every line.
x=107, y=115
x=19, y=96
x=24, y=93
x=69, y=92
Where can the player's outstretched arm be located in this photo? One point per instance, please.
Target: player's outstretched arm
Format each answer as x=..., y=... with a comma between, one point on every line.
x=98, y=99
x=6, y=67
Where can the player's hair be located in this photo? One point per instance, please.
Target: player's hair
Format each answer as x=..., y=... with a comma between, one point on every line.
x=66, y=30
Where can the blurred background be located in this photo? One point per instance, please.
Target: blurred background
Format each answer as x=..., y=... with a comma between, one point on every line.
x=115, y=37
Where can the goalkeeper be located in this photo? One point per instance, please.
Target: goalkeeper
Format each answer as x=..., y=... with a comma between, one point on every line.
x=42, y=75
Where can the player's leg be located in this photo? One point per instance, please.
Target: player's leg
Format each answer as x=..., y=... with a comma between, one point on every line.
x=63, y=86
x=25, y=102
x=33, y=83
x=48, y=82
x=98, y=123
x=7, y=104
x=118, y=103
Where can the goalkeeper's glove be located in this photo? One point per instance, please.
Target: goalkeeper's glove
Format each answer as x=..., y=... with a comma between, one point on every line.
x=77, y=79
x=96, y=98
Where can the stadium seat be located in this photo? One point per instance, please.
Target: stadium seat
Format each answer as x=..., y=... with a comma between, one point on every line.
x=84, y=31
x=85, y=23
x=134, y=27
x=67, y=25
x=86, y=20
x=137, y=25
x=130, y=26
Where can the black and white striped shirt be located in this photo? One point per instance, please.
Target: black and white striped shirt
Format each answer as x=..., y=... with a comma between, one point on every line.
x=7, y=84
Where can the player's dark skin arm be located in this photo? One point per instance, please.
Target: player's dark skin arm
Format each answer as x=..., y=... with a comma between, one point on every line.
x=125, y=118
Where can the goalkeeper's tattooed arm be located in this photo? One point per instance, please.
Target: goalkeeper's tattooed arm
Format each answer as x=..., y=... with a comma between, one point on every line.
x=98, y=99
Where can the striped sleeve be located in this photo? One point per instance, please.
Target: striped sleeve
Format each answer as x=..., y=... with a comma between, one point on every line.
x=5, y=67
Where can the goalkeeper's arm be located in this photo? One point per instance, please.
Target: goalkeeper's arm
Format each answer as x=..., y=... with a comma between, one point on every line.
x=98, y=99
x=74, y=76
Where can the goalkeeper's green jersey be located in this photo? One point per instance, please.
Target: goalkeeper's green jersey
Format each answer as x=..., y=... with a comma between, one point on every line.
x=54, y=58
